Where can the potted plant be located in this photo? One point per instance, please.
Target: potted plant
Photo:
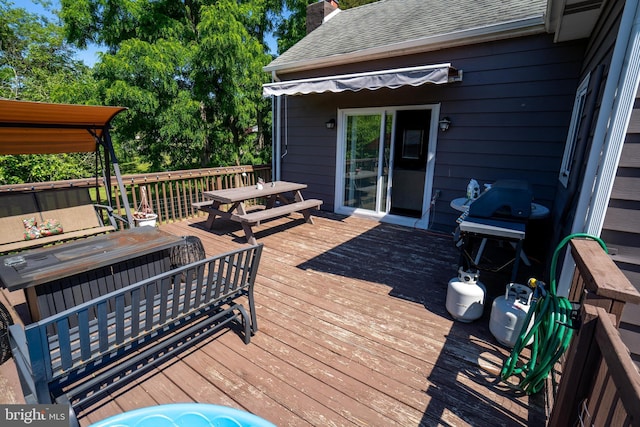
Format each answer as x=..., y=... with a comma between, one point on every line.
x=144, y=214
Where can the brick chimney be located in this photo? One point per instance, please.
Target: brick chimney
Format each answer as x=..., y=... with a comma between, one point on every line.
x=316, y=12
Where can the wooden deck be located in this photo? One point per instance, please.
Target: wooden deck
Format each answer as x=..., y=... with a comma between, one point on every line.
x=353, y=330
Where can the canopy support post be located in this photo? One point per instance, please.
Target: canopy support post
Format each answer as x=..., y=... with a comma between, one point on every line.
x=110, y=153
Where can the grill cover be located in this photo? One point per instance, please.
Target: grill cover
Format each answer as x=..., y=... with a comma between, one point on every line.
x=508, y=199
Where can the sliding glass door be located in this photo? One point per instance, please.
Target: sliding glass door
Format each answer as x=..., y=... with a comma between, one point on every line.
x=383, y=162
x=367, y=143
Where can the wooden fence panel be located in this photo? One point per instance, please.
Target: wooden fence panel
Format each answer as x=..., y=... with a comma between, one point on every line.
x=623, y=388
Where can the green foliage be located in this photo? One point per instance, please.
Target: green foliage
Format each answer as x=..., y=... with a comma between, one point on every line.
x=348, y=4
x=50, y=167
x=293, y=28
x=189, y=72
x=36, y=64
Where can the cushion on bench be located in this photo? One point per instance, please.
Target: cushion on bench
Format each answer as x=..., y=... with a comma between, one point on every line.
x=72, y=208
x=13, y=229
x=63, y=198
x=75, y=218
x=18, y=204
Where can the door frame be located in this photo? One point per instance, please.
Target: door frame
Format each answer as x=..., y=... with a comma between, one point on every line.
x=339, y=185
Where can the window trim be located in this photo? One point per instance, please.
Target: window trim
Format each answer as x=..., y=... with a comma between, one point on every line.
x=574, y=127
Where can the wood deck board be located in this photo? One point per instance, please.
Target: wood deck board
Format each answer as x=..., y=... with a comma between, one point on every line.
x=353, y=330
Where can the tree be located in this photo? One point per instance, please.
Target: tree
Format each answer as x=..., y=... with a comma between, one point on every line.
x=348, y=4
x=190, y=73
x=36, y=64
x=293, y=28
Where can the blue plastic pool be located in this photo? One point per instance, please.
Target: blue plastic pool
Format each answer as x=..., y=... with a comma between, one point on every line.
x=185, y=415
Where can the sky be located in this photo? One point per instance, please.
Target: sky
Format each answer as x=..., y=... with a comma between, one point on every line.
x=90, y=55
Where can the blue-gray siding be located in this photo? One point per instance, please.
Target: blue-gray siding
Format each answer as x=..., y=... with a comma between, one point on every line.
x=621, y=229
x=510, y=116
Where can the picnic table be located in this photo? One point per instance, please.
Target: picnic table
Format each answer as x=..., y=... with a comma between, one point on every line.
x=277, y=204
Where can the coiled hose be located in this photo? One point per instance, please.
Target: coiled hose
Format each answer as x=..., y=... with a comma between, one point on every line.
x=552, y=329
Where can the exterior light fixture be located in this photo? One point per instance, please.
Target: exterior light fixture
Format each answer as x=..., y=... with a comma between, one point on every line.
x=444, y=123
x=330, y=124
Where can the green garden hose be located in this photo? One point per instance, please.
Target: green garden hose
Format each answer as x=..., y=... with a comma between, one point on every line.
x=551, y=331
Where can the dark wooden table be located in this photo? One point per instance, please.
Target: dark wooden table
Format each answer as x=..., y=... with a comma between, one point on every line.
x=32, y=270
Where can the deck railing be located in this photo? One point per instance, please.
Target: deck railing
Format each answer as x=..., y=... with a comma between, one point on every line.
x=170, y=194
x=600, y=384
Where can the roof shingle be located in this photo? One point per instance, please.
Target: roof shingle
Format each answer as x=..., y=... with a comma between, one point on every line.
x=389, y=22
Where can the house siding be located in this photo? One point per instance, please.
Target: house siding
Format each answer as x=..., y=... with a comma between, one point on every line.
x=621, y=229
x=510, y=114
x=595, y=64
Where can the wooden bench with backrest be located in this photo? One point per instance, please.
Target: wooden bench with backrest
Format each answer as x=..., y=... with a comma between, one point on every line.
x=72, y=208
x=79, y=354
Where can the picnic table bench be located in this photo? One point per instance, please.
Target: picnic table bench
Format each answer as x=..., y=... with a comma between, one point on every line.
x=71, y=208
x=77, y=355
x=277, y=204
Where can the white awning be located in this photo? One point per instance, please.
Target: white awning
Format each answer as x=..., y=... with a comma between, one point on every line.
x=393, y=79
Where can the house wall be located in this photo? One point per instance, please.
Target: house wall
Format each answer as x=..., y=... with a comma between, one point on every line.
x=621, y=229
x=596, y=63
x=510, y=115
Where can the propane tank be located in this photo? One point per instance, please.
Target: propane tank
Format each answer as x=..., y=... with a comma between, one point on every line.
x=473, y=190
x=465, y=296
x=509, y=313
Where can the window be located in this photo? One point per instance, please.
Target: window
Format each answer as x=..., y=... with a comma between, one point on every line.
x=412, y=144
x=574, y=129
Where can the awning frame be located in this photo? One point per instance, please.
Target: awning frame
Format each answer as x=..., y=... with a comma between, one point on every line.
x=23, y=127
x=371, y=80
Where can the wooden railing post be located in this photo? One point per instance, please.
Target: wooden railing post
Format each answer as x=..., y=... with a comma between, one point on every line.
x=600, y=287
x=602, y=386
x=598, y=280
x=581, y=359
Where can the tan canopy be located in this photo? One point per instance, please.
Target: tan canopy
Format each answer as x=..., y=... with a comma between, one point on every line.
x=41, y=128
